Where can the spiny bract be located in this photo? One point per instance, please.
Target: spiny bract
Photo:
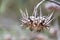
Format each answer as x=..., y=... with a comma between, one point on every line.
x=34, y=22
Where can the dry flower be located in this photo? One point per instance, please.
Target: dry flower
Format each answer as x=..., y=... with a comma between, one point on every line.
x=34, y=22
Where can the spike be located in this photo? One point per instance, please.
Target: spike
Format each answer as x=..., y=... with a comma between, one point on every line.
x=40, y=12
x=39, y=4
x=49, y=21
x=23, y=14
x=35, y=12
x=26, y=13
x=35, y=9
x=50, y=16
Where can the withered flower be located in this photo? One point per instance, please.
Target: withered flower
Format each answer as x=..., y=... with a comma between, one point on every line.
x=34, y=22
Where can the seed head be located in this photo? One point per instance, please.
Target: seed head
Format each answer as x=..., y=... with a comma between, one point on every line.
x=34, y=22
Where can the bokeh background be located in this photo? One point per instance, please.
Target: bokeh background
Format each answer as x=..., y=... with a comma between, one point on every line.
x=10, y=28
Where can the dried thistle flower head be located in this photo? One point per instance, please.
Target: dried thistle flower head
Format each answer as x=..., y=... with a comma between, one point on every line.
x=34, y=22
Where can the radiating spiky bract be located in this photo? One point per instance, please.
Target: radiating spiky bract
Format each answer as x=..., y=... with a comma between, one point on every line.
x=34, y=22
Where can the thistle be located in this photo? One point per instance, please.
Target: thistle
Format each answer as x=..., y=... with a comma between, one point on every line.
x=34, y=22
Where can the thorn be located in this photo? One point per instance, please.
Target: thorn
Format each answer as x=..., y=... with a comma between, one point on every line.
x=50, y=16
x=26, y=13
x=49, y=21
x=40, y=12
x=35, y=9
x=23, y=14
